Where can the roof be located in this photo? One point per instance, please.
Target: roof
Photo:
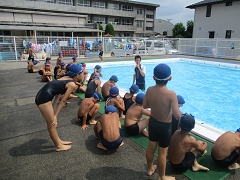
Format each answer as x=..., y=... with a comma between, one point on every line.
x=207, y=2
x=137, y=2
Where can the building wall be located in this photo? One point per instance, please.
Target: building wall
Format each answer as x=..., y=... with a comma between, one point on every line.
x=46, y=13
x=163, y=25
x=222, y=18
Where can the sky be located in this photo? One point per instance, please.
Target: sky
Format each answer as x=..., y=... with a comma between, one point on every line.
x=174, y=9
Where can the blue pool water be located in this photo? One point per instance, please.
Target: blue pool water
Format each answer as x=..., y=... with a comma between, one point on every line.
x=211, y=92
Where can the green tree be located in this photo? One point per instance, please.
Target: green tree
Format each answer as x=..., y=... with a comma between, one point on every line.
x=109, y=29
x=189, y=31
x=165, y=33
x=178, y=29
x=100, y=27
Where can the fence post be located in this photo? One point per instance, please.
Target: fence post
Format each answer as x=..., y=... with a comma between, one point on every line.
x=216, y=49
x=195, y=49
x=78, y=45
x=15, y=47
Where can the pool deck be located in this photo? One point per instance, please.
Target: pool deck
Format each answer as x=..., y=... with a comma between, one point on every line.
x=27, y=151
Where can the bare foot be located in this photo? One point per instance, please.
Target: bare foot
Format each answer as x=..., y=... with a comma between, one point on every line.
x=145, y=133
x=100, y=146
x=92, y=122
x=152, y=170
x=234, y=166
x=63, y=148
x=167, y=178
x=122, y=116
x=73, y=96
x=204, y=152
x=197, y=167
x=121, y=144
x=66, y=142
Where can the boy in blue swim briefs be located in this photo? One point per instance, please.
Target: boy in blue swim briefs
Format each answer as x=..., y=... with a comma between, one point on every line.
x=163, y=103
x=226, y=150
x=108, y=130
x=183, y=149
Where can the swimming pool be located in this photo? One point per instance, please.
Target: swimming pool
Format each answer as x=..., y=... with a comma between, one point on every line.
x=210, y=91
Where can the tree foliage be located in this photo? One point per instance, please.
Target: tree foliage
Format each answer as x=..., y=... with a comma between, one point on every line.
x=100, y=27
x=178, y=29
x=189, y=30
x=109, y=29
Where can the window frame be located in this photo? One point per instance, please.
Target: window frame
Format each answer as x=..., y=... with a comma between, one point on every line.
x=228, y=34
x=208, y=10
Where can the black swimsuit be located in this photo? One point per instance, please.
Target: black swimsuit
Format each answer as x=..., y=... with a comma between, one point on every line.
x=91, y=88
x=50, y=90
x=128, y=103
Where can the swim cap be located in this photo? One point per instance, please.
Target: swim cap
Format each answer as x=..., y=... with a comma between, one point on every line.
x=60, y=53
x=48, y=58
x=97, y=96
x=74, y=58
x=187, y=122
x=63, y=64
x=74, y=69
x=68, y=66
x=114, y=91
x=96, y=76
x=98, y=67
x=162, y=72
x=114, y=78
x=47, y=63
x=134, y=89
x=35, y=62
x=110, y=109
x=139, y=98
x=180, y=99
x=238, y=130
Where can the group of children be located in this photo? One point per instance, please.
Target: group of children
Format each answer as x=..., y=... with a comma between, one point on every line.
x=168, y=127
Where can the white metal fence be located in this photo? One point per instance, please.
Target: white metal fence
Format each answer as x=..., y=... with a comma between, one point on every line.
x=14, y=47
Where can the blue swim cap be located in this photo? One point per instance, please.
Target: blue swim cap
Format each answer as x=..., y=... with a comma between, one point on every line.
x=110, y=109
x=97, y=96
x=187, y=122
x=180, y=99
x=162, y=72
x=74, y=58
x=35, y=62
x=113, y=78
x=48, y=58
x=98, y=67
x=96, y=76
x=74, y=69
x=238, y=130
x=60, y=53
x=139, y=98
x=114, y=91
x=134, y=89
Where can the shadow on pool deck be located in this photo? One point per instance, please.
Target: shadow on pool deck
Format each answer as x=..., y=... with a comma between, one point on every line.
x=27, y=151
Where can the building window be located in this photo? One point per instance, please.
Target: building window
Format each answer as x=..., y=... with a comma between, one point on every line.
x=127, y=8
x=228, y=34
x=64, y=2
x=113, y=21
x=208, y=12
x=89, y=19
x=100, y=20
x=229, y=3
x=5, y=33
x=98, y=4
x=113, y=6
x=48, y=1
x=139, y=24
x=43, y=33
x=139, y=11
x=126, y=34
x=149, y=16
x=83, y=3
x=127, y=22
x=211, y=34
x=149, y=9
x=149, y=28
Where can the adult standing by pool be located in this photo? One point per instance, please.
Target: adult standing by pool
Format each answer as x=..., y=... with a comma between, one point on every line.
x=101, y=51
x=139, y=73
x=52, y=90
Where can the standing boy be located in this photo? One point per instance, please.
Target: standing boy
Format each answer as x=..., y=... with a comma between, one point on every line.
x=163, y=103
x=101, y=51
